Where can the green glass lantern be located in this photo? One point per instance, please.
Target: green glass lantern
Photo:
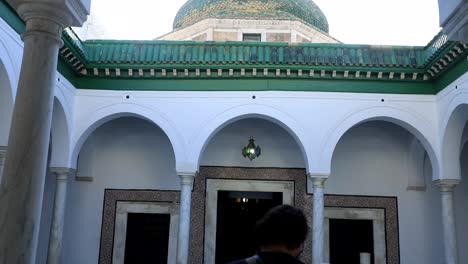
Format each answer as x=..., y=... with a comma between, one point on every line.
x=251, y=151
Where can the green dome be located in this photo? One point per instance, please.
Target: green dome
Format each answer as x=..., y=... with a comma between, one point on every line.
x=305, y=11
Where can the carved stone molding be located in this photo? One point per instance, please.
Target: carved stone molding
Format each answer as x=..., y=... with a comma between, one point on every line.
x=447, y=185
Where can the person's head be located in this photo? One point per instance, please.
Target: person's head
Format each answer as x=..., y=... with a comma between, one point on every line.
x=282, y=226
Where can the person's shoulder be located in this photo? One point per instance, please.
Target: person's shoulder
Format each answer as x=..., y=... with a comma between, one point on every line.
x=241, y=261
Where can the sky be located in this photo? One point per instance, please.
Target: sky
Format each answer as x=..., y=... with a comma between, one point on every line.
x=377, y=22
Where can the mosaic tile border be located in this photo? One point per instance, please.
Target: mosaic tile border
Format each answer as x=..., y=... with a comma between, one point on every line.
x=111, y=197
x=302, y=200
x=390, y=206
x=197, y=228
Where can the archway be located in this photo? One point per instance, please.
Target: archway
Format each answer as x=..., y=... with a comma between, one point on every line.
x=126, y=153
x=273, y=115
x=279, y=148
x=6, y=111
x=453, y=126
x=58, y=158
x=378, y=159
x=421, y=128
x=85, y=125
x=6, y=105
x=460, y=198
x=243, y=189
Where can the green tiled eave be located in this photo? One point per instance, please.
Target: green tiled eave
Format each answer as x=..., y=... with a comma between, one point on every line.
x=237, y=54
x=233, y=66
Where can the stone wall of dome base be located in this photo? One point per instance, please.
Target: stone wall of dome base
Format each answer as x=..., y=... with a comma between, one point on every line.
x=227, y=29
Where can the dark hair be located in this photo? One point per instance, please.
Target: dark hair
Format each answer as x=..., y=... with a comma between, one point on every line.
x=282, y=225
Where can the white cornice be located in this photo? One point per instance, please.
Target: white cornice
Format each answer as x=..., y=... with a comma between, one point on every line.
x=64, y=12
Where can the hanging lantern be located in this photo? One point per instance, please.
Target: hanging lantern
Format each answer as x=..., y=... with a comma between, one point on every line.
x=251, y=151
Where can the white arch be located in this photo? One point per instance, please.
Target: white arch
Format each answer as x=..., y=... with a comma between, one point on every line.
x=60, y=131
x=416, y=125
x=65, y=101
x=453, y=123
x=416, y=155
x=88, y=124
x=457, y=100
x=7, y=93
x=465, y=136
x=221, y=120
x=12, y=72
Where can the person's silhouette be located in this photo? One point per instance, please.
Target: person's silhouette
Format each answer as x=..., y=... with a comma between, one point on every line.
x=280, y=235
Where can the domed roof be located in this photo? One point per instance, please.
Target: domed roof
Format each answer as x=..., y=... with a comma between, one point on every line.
x=305, y=11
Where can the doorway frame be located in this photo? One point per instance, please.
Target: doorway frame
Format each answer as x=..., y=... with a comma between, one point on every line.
x=197, y=218
x=376, y=215
x=121, y=219
x=109, y=213
x=213, y=186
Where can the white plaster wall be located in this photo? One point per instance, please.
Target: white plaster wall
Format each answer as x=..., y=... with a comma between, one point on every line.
x=127, y=153
x=278, y=147
x=10, y=60
x=452, y=114
x=11, y=53
x=372, y=159
x=461, y=207
x=315, y=120
x=6, y=106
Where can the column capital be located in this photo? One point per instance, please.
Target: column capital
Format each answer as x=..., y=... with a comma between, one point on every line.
x=66, y=13
x=62, y=173
x=186, y=178
x=318, y=180
x=446, y=185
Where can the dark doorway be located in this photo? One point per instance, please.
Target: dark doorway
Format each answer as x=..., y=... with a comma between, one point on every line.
x=236, y=217
x=147, y=238
x=349, y=238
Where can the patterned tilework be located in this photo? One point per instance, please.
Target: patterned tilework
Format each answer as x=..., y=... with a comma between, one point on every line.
x=197, y=232
x=160, y=53
x=305, y=11
x=389, y=204
x=302, y=200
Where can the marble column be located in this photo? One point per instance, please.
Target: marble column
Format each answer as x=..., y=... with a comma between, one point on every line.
x=448, y=220
x=2, y=160
x=58, y=214
x=25, y=168
x=318, y=183
x=183, y=241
